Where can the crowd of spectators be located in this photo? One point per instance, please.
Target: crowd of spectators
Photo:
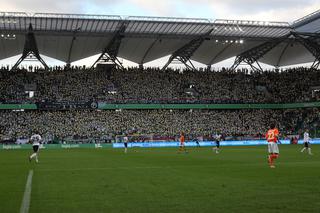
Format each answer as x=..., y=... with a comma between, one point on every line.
x=84, y=124
x=151, y=85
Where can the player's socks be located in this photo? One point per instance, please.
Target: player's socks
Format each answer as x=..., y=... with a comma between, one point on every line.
x=270, y=160
x=309, y=151
x=36, y=158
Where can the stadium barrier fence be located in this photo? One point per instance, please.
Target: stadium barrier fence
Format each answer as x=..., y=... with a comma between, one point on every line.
x=150, y=144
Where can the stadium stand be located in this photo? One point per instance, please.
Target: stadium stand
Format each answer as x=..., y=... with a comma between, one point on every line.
x=151, y=85
x=70, y=37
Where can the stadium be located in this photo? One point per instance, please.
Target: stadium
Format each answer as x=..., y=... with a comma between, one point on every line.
x=166, y=138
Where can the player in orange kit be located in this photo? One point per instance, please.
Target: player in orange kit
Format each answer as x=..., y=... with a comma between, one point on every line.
x=272, y=138
x=182, y=145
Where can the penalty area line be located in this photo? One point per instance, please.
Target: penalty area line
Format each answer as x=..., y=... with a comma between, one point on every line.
x=27, y=194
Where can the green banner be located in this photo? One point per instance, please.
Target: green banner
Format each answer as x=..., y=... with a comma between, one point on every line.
x=106, y=106
x=103, y=105
x=55, y=146
x=18, y=106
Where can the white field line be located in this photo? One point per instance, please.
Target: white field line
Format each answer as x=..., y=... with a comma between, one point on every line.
x=171, y=167
x=27, y=194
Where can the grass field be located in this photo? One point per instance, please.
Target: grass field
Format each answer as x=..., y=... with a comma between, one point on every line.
x=160, y=180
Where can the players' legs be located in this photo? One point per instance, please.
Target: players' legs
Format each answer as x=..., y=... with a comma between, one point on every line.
x=182, y=148
x=33, y=155
x=217, y=150
x=304, y=148
x=273, y=153
x=36, y=156
x=309, y=151
x=217, y=147
x=271, y=158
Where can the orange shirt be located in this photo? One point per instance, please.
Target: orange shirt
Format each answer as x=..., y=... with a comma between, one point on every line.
x=182, y=139
x=272, y=135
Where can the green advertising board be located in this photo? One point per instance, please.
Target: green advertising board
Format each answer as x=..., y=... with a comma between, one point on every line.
x=106, y=106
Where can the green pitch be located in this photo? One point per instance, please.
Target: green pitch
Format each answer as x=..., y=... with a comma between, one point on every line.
x=160, y=180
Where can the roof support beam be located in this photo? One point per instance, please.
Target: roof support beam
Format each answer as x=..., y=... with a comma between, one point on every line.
x=184, y=53
x=149, y=49
x=252, y=56
x=282, y=53
x=310, y=43
x=71, y=46
x=219, y=53
x=30, y=50
x=110, y=52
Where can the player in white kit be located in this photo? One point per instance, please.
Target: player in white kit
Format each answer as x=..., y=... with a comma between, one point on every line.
x=36, y=140
x=306, y=142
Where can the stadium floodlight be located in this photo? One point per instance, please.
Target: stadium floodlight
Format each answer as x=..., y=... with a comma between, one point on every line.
x=231, y=41
x=14, y=35
x=227, y=41
x=236, y=41
x=217, y=41
x=241, y=41
x=2, y=35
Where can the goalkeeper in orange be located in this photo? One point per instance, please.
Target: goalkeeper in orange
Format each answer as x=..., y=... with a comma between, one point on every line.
x=272, y=138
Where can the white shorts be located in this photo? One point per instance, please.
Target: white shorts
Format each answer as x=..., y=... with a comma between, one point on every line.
x=273, y=147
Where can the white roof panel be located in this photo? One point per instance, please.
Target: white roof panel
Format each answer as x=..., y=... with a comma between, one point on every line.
x=146, y=38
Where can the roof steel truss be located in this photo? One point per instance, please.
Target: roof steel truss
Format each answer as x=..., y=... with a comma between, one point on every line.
x=184, y=53
x=30, y=50
x=308, y=40
x=252, y=55
x=110, y=53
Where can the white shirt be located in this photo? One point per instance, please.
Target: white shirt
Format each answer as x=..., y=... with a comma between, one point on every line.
x=125, y=139
x=35, y=140
x=218, y=137
x=306, y=137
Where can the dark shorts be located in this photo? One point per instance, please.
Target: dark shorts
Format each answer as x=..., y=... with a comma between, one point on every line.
x=306, y=144
x=126, y=145
x=35, y=148
x=217, y=144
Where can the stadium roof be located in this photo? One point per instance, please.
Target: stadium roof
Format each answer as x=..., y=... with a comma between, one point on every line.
x=71, y=37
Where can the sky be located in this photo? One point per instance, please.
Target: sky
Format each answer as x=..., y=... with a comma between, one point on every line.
x=260, y=10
